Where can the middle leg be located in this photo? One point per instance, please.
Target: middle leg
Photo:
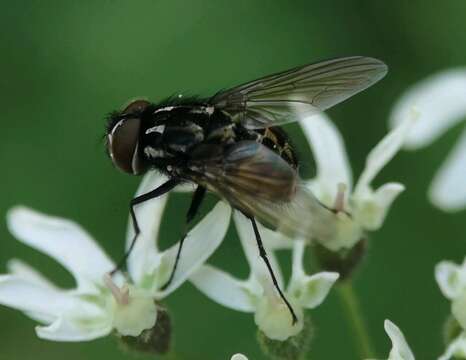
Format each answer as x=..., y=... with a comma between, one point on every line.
x=196, y=201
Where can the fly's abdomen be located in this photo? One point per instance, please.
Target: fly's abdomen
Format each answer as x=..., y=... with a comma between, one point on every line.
x=277, y=140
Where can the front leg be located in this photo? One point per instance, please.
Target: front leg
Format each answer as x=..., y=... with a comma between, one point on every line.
x=161, y=190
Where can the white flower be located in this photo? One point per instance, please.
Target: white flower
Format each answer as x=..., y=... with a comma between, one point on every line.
x=451, y=279
x=441, y=98
x=97, y=305
x=400, y=348
x=362, y=208
x=257, y=294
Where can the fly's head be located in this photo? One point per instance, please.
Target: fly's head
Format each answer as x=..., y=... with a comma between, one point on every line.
x=124, y=138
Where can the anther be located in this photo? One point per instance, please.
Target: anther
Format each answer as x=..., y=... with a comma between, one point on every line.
x=339, y=204
x=121, y=295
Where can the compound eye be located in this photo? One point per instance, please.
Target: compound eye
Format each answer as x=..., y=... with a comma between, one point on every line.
x=136, y=106
x=123, y=143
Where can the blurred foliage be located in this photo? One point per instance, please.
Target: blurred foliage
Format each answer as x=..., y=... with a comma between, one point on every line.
x=65, y=64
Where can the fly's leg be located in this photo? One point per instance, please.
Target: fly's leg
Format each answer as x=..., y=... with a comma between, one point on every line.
x=263, y=255
x=159, y=191
x=193, y=209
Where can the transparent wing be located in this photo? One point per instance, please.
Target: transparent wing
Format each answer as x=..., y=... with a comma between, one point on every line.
x=303, y=216
x=260, y=183
x=272, y=100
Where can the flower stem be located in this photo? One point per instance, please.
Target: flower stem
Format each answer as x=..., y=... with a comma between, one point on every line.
x=354, y=317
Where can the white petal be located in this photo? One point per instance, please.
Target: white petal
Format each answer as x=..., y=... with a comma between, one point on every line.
x=185, y=188
x=451, y=279
x=400, y=348
x=239, y=357
x=26, y=272
x=63, y=240
x=331, y=160
x=440, y=100
x=20, y=269
x=372, y=208
x=383, y=152
x=297, y=268
x=31, y=297
x=200, y=243
x=64, y=329
x=275, y=240
x=223, y=288
x=251, y=250
x=149, y=215
x=456, y=348
x=458, y=309
x=279, y=242
x=448, y=189
x=311, y=291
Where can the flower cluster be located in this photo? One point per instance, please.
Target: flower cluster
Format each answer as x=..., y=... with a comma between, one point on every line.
x=130, y=303
x=99, y=304
x=362, y=209
x=257, y=294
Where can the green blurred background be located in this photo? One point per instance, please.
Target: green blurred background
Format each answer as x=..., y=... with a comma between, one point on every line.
x=65, y=64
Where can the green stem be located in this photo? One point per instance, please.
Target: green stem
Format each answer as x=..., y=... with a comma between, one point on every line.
x=354, y=317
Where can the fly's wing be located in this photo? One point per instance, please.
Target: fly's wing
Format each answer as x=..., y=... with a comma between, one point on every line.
x=302, y=217
x=272, y=100
x=258, y=182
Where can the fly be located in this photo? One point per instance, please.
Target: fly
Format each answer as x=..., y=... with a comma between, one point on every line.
x=232, y=144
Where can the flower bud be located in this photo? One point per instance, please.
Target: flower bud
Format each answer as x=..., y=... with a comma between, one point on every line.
x=155, y=340
x=294, y=348
x=343, y=261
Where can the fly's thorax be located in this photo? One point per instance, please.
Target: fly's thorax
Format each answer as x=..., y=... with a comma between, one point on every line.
x=168, y=150
x=182, y=138
x=175, y=131
x=172, y=131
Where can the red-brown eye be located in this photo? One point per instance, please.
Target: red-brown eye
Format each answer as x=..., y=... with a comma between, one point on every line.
x=123, y=146
x=136, y=106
